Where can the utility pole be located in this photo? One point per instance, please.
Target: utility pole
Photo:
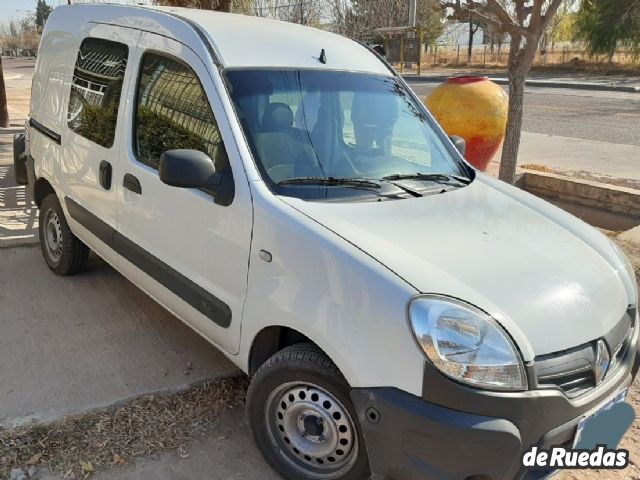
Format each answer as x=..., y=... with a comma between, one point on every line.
x=413, y=6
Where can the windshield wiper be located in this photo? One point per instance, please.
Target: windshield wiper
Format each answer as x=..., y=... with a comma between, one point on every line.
x=331, y=181
x=441, y=178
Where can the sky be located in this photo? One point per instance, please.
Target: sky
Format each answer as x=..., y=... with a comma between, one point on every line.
x=16, y=8
x=10, y=8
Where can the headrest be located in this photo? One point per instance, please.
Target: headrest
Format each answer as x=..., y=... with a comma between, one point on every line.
x=277, y=117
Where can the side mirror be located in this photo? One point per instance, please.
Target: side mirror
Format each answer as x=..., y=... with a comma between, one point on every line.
x=195, y=169
x=459, y=143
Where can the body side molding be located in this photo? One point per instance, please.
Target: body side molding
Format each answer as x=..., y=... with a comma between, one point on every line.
x=196, y=296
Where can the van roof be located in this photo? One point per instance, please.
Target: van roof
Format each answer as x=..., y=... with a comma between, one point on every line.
x=241, y=41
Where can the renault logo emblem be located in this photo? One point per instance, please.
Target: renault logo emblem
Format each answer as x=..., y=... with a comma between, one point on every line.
x=602, y=361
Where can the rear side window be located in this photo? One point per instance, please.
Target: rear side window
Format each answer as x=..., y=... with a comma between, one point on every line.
x=95, y=90
x=173, y=112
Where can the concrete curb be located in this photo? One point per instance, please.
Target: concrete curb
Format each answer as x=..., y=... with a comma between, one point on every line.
x=36, y=420
x=534, y=83
x=11, y=130
x=599, y=204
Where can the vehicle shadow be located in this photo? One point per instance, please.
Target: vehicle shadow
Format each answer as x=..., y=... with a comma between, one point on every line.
x=18, y=216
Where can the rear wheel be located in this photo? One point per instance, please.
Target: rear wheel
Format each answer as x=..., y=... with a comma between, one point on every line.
x=20, y=159
x=64, y=253
x=302, y=418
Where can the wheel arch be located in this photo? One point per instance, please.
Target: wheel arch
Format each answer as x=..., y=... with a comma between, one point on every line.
x=271, y=340
x=41, y=189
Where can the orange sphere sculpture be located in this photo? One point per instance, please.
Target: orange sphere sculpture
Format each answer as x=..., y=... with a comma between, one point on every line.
x=475, y=109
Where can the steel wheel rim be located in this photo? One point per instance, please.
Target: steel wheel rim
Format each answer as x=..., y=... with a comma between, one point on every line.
x=312, y=429
x=53, y=235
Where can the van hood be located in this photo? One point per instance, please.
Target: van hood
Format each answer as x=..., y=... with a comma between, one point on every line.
x=549, y=286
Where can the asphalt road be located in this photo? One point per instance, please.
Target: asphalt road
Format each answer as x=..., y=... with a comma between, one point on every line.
x=592, y=115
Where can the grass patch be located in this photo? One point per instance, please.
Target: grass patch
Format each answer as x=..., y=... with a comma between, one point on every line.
x=537, y=168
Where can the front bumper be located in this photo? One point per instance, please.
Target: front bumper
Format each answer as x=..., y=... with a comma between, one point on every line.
x=457, y=432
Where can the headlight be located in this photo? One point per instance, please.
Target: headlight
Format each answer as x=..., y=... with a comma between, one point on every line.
x=466, y=344
x=630, y=272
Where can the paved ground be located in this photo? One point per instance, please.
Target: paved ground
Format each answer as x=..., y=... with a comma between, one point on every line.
x=71, y=344
x=17, y=76
x=550, y=76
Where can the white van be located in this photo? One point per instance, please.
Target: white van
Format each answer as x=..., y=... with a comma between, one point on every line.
x=283, y=192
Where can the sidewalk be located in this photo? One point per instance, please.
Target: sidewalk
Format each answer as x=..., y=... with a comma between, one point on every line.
x=60, y=356
x=18, y=85
x=604, y=162
x=580, y=81
x=73, y=344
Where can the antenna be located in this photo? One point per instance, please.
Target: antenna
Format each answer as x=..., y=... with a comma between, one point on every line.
x=323, y=56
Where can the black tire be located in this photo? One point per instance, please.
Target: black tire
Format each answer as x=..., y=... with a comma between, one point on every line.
x=70, y=255
x=20, y=159
x=303, y=368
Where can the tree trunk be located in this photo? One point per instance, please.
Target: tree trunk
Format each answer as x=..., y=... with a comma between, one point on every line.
x=4, y=109
x=511, y=144
x=520, y=61
x=224, y=6
x=471, y=32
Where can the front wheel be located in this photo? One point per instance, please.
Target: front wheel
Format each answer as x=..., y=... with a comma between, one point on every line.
x=302, y=417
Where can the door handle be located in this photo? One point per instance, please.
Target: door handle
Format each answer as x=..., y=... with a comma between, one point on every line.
x=132, y=183
x=104, y=175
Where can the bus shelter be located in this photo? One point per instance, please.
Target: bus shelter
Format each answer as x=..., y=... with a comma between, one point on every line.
x=402, y=45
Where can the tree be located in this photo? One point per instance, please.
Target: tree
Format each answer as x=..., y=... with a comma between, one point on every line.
x=562, y=27
x=524, y=21
x=605, y=24
x=473, y=28
x=42, y=13
x=357, y=18
x=14, y=30
x=218, y=5
x=4, y=109
x=495, y=32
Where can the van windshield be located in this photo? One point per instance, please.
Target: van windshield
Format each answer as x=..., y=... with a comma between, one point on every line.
x=327, y=134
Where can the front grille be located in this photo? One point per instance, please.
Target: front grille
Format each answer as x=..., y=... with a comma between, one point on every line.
x=573, y=384
x=570, y=370
x=573, y=371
